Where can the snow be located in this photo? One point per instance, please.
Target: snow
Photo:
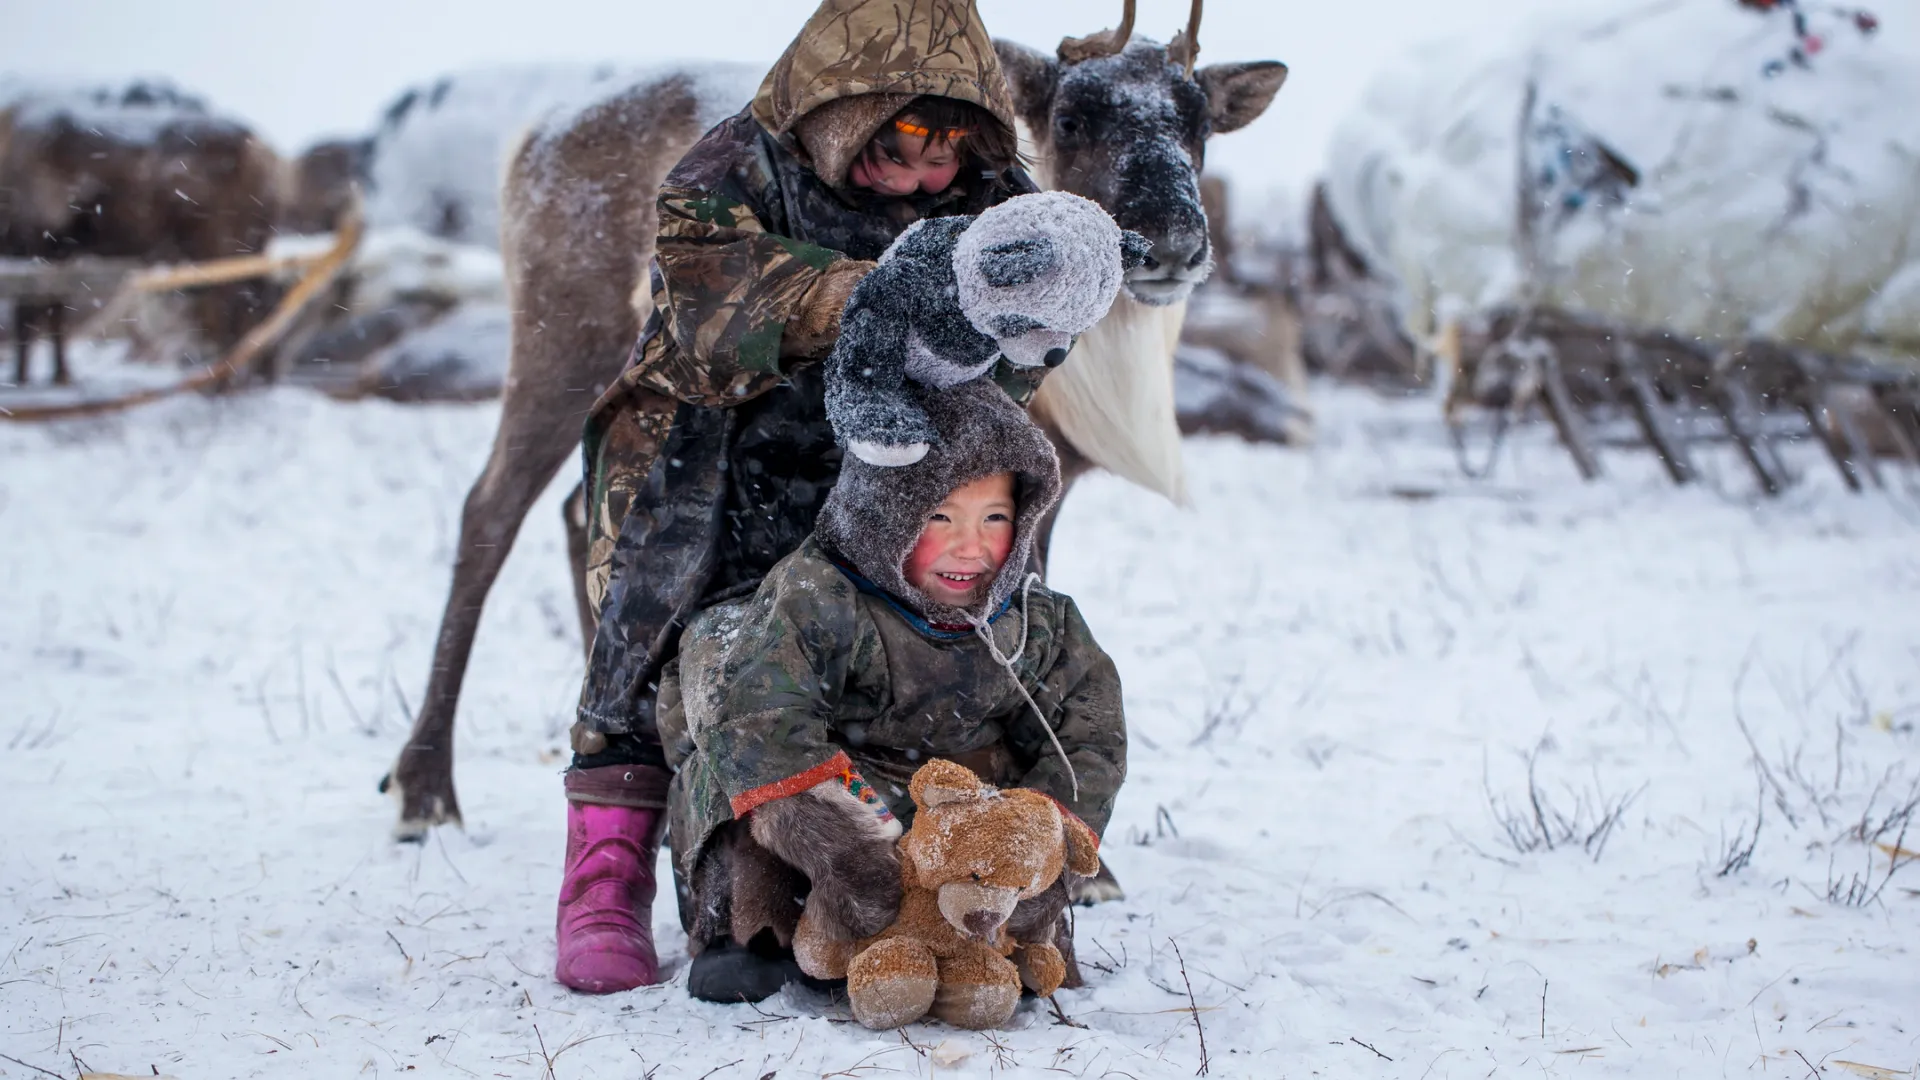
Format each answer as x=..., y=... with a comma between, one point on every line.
x=399, y=262
x=441, y=150
x=1777, y=206
x=137, y=111
x=460, y=357
x=218, y=610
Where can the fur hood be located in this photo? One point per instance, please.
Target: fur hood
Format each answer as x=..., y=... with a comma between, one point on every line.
x=828, y=103
x=874, y=515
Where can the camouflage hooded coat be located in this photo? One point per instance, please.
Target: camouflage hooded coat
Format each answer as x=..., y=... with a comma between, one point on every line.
x=836, y=666
x=709, y=458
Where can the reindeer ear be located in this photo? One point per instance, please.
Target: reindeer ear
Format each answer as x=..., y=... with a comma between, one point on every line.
x=1031, y=77
x=940, y=782
x=1238, y=93
x=1134, y=249
x=1083, y=848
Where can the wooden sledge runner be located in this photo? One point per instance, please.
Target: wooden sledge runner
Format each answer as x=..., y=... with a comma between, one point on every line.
x=1571, y=364
x=127, y=283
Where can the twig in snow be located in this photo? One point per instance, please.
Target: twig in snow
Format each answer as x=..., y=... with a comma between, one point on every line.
x=1193, y=1007
x=35, y=1068
x=1811, y=1071
x=266, y=714
x=1061, y=1016
x=1541, y=825
x=544, y=1056
x=300, y=683
x=360, y=724
x=1759, y=759
x=1543, y=1008
x=1739, y=850
x=406, y=710
x=397, y=945
x=1376, y=1053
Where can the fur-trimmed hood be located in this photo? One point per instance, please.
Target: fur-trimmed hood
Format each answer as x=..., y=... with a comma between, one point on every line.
x=829, y=101
x=874, y=515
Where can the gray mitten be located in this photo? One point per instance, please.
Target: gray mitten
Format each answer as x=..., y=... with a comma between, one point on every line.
x=954, y=294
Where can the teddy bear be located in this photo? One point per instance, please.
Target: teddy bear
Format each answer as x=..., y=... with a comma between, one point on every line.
x=953, y=294
x=974, y=852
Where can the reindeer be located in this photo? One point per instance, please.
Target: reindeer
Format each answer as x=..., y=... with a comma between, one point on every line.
x=1120, y=120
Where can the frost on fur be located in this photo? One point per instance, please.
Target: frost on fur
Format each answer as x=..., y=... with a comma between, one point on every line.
x=953, y=295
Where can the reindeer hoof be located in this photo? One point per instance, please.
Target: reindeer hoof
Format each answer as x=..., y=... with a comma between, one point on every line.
x=426, y=799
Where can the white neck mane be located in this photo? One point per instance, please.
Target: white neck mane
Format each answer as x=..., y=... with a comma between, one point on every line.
x=1113, y=398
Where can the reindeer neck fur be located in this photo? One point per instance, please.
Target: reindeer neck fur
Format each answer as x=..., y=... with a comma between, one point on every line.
x=1113, y=398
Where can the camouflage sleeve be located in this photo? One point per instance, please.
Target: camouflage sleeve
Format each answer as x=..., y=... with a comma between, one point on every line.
x=771, y=731
x=1081, y=695
x=727, y=290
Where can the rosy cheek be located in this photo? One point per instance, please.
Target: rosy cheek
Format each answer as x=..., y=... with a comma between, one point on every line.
x=1000, y=543
x=920, y=559
x=936, y=181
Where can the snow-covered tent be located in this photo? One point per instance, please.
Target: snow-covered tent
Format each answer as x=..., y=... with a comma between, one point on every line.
x=441, y=148
x=1688, y=168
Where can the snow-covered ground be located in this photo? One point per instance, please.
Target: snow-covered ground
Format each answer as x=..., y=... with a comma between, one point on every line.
x=216, y=610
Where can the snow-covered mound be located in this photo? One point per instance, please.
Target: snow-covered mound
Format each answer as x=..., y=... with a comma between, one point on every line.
x=1689, y=178
x=398, y=263
x=440, y=151
x=461, y=357
x=137, y=111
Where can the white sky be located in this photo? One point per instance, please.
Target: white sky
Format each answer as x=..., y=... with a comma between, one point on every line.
x=299, y=70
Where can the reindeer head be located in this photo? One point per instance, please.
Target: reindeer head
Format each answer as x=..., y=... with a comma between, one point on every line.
x=1124, y=121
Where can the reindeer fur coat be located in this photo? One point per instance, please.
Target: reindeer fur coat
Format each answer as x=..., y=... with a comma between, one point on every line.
x=710, y=457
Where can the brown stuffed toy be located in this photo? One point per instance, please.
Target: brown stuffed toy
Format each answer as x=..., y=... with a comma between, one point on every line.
x=973, y=853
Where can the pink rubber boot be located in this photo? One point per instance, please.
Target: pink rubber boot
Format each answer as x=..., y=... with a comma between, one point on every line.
x=604, y=930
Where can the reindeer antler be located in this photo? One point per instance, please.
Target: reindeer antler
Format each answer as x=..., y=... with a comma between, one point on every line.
x=1104, y=43
x=1185, y=46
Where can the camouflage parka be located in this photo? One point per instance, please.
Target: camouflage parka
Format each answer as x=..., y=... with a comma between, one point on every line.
x=709, y=458
x=824, y=673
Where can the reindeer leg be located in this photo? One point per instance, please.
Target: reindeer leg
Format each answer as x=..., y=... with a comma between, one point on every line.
x=539, y=429
x=57, y=332
x=22, y=342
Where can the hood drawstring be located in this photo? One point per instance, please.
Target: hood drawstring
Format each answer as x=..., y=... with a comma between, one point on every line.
x=981, y=628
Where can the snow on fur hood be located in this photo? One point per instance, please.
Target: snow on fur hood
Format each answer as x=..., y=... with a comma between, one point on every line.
x=903, y=50
x=874, y=515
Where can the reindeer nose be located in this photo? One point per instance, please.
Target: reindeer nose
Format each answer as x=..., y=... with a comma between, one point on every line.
x=981, y=923
x=1056, y=357
x=1184, y=251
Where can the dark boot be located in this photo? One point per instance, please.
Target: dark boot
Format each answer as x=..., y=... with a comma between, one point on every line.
x=729, y=972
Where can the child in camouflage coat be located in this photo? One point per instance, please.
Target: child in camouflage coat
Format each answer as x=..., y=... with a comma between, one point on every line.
x=708, y=459
x=907, y=627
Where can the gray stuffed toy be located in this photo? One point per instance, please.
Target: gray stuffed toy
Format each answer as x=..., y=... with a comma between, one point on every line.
x=952, y=295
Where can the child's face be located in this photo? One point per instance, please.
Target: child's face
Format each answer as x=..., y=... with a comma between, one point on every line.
x=917, y=163
x=964, y=542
